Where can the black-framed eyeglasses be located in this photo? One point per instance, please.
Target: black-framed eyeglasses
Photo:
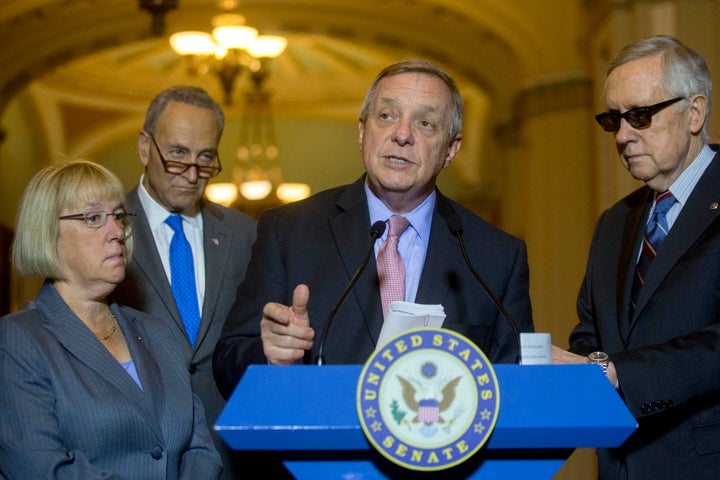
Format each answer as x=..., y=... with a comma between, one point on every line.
x=638, y=117
x=178, y=168
x=98, y=219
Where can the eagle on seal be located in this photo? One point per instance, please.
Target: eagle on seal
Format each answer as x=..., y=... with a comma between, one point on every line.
x=429, y=408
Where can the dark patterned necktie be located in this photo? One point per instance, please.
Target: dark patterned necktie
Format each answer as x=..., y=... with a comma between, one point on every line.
x=655, y=234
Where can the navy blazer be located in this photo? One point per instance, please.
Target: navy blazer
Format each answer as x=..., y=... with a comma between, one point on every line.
x=70, y=410
x=321, y=241
x=227, y=239
x=667, y=355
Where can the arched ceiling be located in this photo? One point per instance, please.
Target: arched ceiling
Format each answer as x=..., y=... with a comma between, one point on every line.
x=104, y=50
x=85, y=70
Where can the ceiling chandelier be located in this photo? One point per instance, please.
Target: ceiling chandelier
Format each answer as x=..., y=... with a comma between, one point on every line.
x=257, y=177
x=232, y=49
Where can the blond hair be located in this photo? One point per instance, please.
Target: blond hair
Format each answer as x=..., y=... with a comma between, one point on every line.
x=53, y=190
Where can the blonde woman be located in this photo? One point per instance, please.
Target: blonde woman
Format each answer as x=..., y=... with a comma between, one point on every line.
x=90, y=389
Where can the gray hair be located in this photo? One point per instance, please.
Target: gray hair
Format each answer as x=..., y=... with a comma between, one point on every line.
x=419, y=66
x=188, y=94
x=686, y=73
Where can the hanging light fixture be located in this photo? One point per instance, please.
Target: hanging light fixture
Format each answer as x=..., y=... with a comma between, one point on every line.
x=158, y=9
x=257, y=176
x=232, y=48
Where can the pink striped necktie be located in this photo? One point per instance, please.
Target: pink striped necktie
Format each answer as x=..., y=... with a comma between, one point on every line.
x=390, y=266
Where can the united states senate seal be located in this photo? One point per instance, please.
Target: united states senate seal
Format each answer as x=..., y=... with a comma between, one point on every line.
x=428, y=399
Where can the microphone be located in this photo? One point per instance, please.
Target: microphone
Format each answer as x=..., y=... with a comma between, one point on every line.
x=376, y=231
x=455, y=225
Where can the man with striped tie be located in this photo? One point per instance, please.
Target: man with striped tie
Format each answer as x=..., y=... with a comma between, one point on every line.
x=650, y=297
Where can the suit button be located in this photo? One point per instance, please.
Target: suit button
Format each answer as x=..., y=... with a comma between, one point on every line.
x=193, y=369
x=157, y=452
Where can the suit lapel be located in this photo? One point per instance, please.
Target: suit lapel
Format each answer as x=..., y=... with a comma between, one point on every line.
x=699, y=212
x=632, y=236
x=351, y=231
x=149, y=371
x=216, y=243
x=147, y=260
x=443, y=254
x=81, y=343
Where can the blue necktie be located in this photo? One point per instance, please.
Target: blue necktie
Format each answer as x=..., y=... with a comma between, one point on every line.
x=655, y=234
x=182, y=278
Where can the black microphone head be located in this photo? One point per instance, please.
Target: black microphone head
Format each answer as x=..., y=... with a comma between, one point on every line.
x=377, y=229
x=453, y=221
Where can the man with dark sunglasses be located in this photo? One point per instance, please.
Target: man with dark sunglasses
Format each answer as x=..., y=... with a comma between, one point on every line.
x=650, y=298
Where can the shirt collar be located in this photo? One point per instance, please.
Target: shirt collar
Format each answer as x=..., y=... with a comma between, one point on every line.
x=683, y=186
x=156, y=213
x=420, y=218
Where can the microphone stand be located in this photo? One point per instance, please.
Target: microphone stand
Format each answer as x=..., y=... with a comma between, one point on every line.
x=458, y=233
x=376, y=231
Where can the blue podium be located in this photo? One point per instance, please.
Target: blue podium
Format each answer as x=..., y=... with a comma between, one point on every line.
x=307, y=414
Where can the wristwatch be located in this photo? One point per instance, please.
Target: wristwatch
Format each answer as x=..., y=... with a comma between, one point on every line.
x=599, y=358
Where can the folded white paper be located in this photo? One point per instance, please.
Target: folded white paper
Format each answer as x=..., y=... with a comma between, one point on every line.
x=403, y=316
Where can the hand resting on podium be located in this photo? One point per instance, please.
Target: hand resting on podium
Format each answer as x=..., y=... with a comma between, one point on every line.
x=562, y=356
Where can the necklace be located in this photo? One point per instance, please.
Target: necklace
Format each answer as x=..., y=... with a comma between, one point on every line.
x=112, y=330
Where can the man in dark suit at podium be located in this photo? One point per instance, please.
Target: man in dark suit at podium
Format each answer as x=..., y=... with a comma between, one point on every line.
x=659, y=324
x=307, y=252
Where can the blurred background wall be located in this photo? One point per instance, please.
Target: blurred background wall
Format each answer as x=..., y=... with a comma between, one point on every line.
x=77, y=76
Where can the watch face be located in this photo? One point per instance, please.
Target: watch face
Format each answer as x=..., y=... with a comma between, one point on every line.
x=599, y=358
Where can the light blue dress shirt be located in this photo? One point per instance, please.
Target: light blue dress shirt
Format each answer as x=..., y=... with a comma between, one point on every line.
x=413, y=242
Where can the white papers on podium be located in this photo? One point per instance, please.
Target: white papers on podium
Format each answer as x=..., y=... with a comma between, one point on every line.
x=403, y=316
x=535, y=349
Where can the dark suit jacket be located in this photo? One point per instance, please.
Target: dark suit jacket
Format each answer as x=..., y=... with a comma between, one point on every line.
x=667, y=355
x=321, y=241
x=70, y=410
x=228, y=237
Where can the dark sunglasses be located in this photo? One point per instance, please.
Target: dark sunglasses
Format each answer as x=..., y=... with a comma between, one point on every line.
x=638, y=117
